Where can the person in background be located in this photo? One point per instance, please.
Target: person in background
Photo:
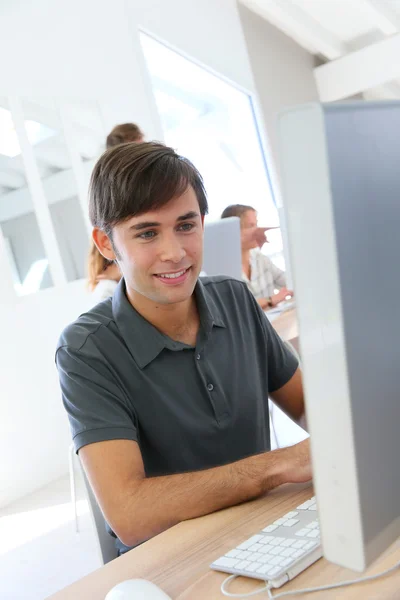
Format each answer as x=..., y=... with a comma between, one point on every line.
x=262, y=276
x=126, y=132
x=103, y=275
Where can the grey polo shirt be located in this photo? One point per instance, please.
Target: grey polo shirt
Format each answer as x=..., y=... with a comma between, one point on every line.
x=188, y=408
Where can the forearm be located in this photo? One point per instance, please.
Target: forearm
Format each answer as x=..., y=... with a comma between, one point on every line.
x=263, y=303
x=160, y=502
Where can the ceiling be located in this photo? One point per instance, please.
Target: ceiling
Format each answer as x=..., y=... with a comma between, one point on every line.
x=335, y=29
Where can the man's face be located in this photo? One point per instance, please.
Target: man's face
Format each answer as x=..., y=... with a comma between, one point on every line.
x=161, y=251
x=248, y=226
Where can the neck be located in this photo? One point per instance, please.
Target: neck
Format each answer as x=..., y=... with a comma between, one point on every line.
x=174, y=320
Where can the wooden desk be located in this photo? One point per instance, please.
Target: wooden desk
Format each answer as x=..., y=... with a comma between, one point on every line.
x=287, y=327
x=178, y=560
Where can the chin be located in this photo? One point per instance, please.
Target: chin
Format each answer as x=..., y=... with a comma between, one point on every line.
x=178, y=294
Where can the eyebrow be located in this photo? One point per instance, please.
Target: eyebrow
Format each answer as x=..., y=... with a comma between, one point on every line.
x=146, y=224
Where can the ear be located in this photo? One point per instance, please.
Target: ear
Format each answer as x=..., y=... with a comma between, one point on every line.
x=202, y=220
x=103, y=244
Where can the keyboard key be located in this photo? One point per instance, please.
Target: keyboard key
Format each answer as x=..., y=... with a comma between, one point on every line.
x=227, y=563
x=244, y=554
x=300, y=544
x=297, y=554
x=288, y=542
x=264, y=569
x=313, y=507
x=313, y=534
x=267, y=539
x=276, y=550
x=253, y=540
x=255, y=547
x=255, y=556
x=290, y=515
x=290, y=522
x=270, y=528
x=242, y=566
x=285, y=562
x=288, y=552
x=253, y=567
x=274, y=571
x=233, y=553
x=265, y=559
x=310, y=545
x=277, y=541
x=266, y=549
x=300, y=533
x=313, y=525
x=279, y=521
x=276, y=560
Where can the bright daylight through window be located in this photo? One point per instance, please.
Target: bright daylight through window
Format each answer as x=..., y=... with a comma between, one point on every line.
x=212, y=123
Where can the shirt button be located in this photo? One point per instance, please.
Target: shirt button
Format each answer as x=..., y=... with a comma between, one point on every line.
x=210, y=387
x=198, y=357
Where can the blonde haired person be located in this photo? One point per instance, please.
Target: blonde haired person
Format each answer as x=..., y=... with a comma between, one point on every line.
x=103, y=275
x=262, y=276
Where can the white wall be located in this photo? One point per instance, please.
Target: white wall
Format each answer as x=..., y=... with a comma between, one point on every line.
x=83, y=50
x=283, y=71
x=34, y=435
x=90, y=50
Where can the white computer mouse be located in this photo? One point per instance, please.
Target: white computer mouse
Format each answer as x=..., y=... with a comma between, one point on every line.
x=136, y=589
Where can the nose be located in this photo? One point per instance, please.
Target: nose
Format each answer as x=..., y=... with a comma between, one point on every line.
x=172, y=250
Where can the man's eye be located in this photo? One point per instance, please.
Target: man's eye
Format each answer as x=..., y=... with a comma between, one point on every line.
x=186, y=227
x=147, y=235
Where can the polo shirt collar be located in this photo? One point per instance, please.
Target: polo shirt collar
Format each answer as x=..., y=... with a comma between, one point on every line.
x=144, y=341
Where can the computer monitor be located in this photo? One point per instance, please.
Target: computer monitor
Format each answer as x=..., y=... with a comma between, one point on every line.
x=341, y=189
x=222, y=250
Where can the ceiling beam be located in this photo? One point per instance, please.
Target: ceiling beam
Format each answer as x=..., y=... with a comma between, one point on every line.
x=388, y=91
x=299, y=25
x=359, y=71
x=385, y=17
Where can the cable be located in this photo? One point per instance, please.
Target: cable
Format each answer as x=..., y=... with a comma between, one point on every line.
x=248, y=595
x=331, y=586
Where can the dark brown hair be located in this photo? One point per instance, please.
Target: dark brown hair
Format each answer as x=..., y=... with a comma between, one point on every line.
x=126, y=132
x=132, y=179
x=236, y=210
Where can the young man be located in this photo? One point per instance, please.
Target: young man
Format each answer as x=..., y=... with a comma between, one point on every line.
x=166, y=384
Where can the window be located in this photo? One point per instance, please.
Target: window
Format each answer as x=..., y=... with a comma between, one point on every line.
x=212, y=123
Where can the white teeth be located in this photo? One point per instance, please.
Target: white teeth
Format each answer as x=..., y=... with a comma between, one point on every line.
x=173, y=275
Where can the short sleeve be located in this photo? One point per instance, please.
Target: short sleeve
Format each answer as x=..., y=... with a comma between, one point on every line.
x=282, y=363
x=96, y=407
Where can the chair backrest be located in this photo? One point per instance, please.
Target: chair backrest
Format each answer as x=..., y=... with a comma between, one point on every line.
x=106, y=543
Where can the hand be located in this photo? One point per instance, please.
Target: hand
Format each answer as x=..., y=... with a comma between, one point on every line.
x=280, y=296
x=297, y=459
x=254, y=236
x=260, y=236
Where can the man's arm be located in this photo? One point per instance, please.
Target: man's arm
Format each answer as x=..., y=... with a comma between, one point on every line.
x=290, y=398
x=137, y=507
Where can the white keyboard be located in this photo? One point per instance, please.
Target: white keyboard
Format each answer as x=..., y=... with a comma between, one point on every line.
x=280, y=551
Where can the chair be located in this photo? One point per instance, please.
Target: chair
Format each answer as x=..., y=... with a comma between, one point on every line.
x=105, y=542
